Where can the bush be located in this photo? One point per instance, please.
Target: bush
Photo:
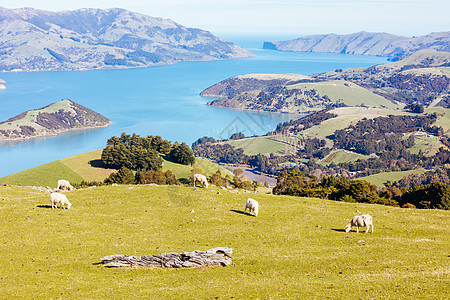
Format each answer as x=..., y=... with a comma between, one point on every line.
x=123, y=176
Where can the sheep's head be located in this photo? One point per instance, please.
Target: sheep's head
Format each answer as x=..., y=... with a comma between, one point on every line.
x=255, y=212
x=69, y=205
x=348, y=227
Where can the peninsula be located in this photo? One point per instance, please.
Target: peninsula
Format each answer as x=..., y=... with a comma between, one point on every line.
x=53, y=119
x=422, y=78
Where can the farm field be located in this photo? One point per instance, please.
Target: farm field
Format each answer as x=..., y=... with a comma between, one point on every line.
x=290, y=251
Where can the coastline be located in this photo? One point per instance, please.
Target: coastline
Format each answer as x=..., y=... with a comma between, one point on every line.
x=51, y=134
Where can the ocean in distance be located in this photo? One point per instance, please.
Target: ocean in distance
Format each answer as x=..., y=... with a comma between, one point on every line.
x=161, y=100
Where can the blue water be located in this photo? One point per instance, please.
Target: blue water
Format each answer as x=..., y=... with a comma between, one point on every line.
x=161, y=101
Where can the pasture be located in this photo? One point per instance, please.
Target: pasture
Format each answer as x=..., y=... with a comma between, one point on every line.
x=88, y=167
x=295, y=249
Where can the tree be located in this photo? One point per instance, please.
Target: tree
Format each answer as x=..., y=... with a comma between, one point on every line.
x=238, y=172
x=182, y=154
x=434, y=195
x=139, y=177
x=123, y=176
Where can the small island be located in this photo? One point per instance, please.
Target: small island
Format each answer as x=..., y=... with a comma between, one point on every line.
x=50, y=120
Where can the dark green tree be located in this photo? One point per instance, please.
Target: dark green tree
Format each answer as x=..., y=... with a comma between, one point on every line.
x=123, y=176
x=182, y=154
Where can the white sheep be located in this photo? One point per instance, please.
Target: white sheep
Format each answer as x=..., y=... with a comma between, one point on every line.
x=252, y=205
x=64, y=184
x=200, y=178
x=360, y=221
x=56, y=198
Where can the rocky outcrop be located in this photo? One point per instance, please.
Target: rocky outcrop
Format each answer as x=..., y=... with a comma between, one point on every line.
x=53, y=119
x=34, y=40
x=364, y=43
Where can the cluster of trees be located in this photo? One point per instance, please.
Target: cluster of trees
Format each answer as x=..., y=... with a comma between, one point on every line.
x=126, y=176
x=381, y=134
x=296, y=183
x=139, y=153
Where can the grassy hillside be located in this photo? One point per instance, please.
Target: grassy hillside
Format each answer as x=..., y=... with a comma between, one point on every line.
x=50, y=120
x=290, y=251
x=85, y=166
x=350, y=93
x=342, y=156
x=256, y=145
x=381, y=178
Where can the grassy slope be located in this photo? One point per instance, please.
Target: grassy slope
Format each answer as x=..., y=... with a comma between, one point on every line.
x=262, y=144
x=381, y=178
x=77, y=168
x=289, y=251
x=44, y=175
x=351, y=94
x=342, y=156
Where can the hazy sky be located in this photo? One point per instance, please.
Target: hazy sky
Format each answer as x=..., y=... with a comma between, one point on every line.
x=291, y=17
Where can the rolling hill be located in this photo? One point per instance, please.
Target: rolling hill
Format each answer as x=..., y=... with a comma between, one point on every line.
x=423, y=77
x=38, y=40
x=53, y=119
x=88, y=167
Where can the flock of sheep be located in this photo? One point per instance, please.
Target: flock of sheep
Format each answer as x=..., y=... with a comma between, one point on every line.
x=251, y=204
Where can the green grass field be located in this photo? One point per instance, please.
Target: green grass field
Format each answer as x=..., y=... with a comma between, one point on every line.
x=258, y=145
x=294, y=249
x=381, y=178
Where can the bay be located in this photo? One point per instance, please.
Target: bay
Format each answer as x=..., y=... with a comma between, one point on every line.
x=161, y=100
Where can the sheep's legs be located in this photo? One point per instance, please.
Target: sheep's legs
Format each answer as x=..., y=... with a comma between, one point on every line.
x=357, y=229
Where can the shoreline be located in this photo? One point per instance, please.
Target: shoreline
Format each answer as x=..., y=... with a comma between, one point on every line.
x=2, y=140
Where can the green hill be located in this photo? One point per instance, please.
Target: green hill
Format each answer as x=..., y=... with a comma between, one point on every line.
x=294, y=249
x=85, y=167
x=53, y=119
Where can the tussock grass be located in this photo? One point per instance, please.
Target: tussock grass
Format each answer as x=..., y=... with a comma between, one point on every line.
x=295, y=248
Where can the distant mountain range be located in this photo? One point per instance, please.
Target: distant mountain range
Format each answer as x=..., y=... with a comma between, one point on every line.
x=35, y=40
x=53, y=119
x=365, y=43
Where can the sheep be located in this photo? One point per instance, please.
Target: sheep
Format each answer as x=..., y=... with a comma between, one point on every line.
x=252, y=205
x=56, y=198
x=64, y=184
x=360, y=221
x=200, y=178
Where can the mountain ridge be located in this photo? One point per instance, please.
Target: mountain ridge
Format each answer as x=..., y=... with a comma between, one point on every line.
x=394, y=47
x=35, y=40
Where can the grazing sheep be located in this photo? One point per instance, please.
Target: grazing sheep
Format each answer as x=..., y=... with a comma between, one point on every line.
x=360, y=221
x=56, y=198
x=252, y=205
x=64, y=184
x=200, y=178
